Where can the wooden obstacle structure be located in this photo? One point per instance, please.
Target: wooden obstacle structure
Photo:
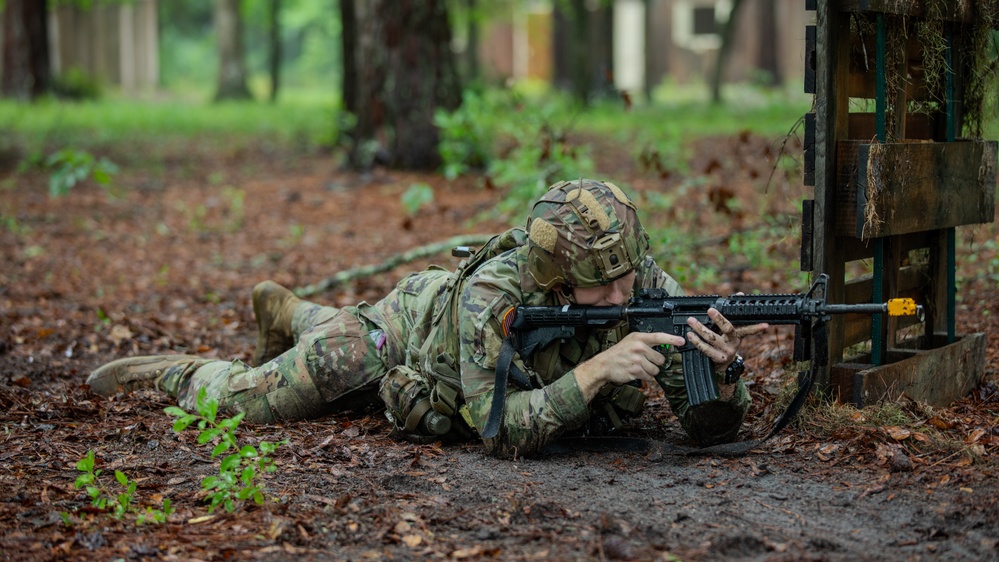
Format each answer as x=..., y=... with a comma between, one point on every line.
x=896, y=82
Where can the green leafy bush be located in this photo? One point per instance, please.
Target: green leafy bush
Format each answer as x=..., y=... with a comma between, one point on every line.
x=523, y=143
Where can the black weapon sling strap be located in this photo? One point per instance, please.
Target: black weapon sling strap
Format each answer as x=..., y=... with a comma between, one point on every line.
x=505, y=371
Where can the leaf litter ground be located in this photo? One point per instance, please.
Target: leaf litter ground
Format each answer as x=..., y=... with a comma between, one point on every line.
x=169, y=265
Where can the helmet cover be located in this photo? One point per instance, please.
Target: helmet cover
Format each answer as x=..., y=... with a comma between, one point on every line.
x=584, y=233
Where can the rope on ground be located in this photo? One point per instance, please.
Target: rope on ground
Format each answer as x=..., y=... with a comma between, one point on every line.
x=392, y=262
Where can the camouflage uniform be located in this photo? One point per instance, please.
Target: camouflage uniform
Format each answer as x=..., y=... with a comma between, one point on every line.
x=344, y=356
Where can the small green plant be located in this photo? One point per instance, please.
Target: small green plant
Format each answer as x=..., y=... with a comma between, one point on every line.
x=239, y=472
x=100, y=496
x=70, y=166
x=117, y=504
x=416, y=197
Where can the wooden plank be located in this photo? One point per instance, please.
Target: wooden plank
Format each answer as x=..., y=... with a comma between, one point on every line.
x=807, y=234
x=936, y=376
x=918, y=126
x=861, y=83
x=848, y=160
x=899, y=188
x=832, y=34
x=808, y=151
x=912, y=187
x=810, y=59
x=911, y=284
x=958, y=11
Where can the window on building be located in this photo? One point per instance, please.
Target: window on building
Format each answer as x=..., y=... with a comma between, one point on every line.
x=697, y=24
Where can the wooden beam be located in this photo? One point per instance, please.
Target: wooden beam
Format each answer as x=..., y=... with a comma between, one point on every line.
x=918, y=126
x=959, y=11
x=832, y=36
x=900, y=188
x=937, y=376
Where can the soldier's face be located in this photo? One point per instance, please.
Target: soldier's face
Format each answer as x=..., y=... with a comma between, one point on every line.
x=615, y=293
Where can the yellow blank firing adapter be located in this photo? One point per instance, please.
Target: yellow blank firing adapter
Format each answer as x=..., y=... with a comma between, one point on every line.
x=905, y=307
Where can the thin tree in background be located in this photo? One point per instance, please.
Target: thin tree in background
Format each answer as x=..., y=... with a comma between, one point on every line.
x=26, y=72
x=229, y=38
x=727, y=39
x=770, y=45
x=584, y=48
x=274, y=29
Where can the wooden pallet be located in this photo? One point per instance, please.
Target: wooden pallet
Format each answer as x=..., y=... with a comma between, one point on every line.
x=890, y=187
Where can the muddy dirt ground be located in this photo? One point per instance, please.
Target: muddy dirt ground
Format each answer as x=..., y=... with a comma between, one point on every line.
x=168, y=266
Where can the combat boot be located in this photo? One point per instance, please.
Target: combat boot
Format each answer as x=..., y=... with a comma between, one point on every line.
x=274, y=306
x=160, y=372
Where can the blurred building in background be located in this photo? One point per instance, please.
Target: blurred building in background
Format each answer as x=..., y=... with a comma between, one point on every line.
x=115, y=43
x=630, y=45
x=637, y=44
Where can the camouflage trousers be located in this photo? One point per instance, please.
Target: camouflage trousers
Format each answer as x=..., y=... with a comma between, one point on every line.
x=337, y=364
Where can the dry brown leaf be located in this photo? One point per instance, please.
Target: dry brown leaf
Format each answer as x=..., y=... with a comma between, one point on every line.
x=119, y=334
x=975, y=436
x=467, y=552
x=940, y=423
x=898, y=433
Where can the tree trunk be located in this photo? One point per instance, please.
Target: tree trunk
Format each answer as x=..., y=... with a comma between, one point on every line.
x=348, y=43
x=769, y=49
x=472, y=48
x=26, y=72
x=365, y=83
x=275, y=54
x=728, y=36
x=422, y=78
x=229, y=40
x=579, y=50
x=403, y=71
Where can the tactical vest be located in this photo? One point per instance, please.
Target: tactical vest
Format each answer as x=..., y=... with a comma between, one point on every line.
x=424, y=398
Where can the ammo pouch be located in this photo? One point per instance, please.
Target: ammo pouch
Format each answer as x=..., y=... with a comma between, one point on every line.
x=408, y=406
x=615, y=401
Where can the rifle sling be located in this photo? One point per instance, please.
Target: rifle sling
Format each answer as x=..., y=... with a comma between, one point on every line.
x=505, y=371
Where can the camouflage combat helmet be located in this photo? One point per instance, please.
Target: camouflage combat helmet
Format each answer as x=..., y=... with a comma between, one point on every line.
x=584, y=233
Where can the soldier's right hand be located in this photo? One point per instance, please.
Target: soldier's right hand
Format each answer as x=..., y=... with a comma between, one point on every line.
x=635, y=357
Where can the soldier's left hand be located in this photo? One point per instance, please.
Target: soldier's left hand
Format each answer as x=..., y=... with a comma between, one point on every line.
x=722, y=346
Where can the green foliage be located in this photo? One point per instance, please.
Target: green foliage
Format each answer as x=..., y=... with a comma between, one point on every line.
x=464, y=143
x=522, y=141
x=76, y=84
x=189, y=64
x=416, y=197
x=70, y=166
x=117, y=504
x=145, y=130
x=239, y=477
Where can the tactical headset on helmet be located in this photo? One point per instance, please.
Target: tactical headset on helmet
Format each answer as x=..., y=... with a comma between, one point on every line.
x=584, y=233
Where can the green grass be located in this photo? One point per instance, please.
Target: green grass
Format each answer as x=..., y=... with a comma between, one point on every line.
x=50, y=124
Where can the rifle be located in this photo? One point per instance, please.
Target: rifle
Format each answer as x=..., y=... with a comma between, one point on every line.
x=535, y=327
